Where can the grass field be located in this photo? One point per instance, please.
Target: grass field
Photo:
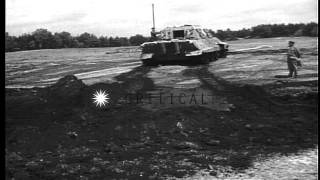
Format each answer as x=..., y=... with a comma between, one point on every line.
x=43, y=67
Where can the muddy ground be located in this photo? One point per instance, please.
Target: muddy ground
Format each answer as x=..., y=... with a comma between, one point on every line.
x=236, y=118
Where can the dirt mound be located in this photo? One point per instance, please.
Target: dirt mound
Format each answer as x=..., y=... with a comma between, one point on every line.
x=69, y=85
x=58, y=133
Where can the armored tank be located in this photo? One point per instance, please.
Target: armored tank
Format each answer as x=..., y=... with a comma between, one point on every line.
x=183, y=44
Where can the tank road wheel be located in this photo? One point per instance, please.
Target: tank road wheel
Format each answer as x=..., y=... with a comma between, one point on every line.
x=148, y=63
x=214, y=56
x=223, y=53
x=145, y=63
x=205, y=59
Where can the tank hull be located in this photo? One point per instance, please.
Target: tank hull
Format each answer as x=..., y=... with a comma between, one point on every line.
x=183, y=44
x=183, y=51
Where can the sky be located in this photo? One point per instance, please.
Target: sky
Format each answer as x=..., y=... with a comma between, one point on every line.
x=125, y=18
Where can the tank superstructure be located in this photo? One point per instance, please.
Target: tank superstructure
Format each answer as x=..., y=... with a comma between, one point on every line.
x=187, y=43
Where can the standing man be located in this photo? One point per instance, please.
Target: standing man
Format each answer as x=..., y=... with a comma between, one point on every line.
x=293, y=56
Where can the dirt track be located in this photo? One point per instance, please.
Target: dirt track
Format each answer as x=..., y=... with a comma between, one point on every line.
x=53, y=134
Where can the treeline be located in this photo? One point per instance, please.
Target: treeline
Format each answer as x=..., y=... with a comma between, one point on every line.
x=269, y=30
x=44, y=39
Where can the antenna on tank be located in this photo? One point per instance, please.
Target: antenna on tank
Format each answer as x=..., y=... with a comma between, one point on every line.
x=153, y=29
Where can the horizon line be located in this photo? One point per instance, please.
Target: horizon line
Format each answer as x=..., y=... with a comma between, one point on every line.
x=73, y=34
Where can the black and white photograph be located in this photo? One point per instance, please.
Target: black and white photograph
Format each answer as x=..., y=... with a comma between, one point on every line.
x=160, y=89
